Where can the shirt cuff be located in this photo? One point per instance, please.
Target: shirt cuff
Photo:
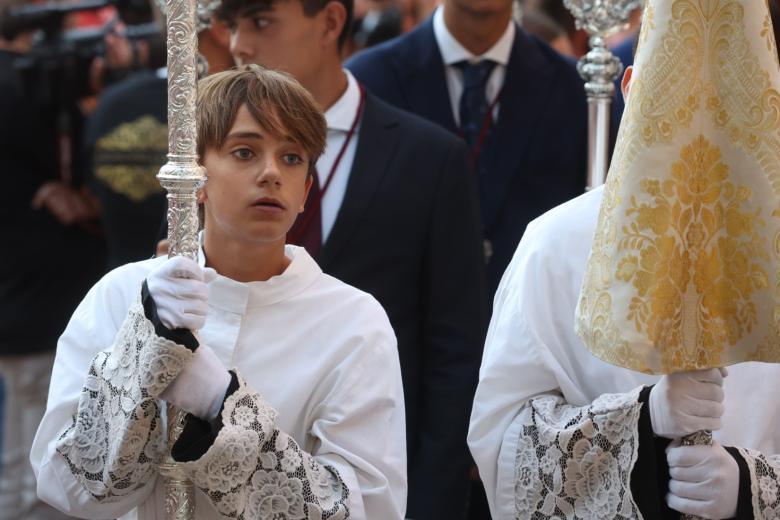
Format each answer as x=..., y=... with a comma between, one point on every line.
x=182, y=337
x=198, y=435
x=745, y=496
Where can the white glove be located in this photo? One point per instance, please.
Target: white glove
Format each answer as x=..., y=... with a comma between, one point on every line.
x=704, y=481
x=200, y=387
x=686, y=402
x=179, y=288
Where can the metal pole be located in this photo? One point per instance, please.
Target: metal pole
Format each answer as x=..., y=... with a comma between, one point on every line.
x=181, y=177
x=599, y=68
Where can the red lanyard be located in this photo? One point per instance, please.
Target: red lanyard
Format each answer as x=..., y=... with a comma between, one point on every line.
x=487, y=123
x=317, y=202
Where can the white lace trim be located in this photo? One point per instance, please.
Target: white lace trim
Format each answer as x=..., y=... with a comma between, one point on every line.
x=764, y=483
x=575, y=462
x=254, y=471
x=115, y=439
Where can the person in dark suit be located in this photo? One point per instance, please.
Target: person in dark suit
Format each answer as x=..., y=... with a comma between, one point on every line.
x=394, y=212
x=520, y=106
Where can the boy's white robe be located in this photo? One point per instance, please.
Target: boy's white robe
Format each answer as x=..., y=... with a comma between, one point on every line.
x=532, y=350
x=321, y=353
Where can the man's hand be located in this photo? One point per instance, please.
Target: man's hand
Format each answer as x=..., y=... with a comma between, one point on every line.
x=179, y=288
x=68, y=205
x=704, y=481
x=687, y=402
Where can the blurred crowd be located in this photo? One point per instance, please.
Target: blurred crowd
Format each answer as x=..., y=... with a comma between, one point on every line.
x=83, y=135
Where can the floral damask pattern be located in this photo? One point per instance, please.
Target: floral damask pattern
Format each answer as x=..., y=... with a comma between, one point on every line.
x=744, y=101
x=575, y=462
x=694, y=257
x=764, y=477
x=709, y=290
x=115, y=440
x=253, y=471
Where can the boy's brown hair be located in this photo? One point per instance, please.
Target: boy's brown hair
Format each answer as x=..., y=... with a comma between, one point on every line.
x=279, y=104
x=229, y=10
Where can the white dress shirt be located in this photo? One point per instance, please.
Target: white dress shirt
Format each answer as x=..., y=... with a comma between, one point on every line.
x=453, y=52
x=531, y=349
x=321, y=353
x=339, y=117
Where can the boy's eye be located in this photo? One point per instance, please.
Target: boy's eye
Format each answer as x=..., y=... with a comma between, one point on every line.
x=242, y=153
x=260, y=22
x=292, y=158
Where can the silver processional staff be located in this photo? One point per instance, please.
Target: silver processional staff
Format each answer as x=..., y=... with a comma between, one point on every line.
x=600, y=68
x=181, y=177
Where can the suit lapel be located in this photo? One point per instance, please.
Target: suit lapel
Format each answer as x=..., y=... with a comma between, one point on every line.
x=423, y=80
x=377, y=140
x=523, y=101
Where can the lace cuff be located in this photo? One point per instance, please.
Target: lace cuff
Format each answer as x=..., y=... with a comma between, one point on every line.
x=575, y=462
x=115, y=439
x=764, y=483
x=253, y=470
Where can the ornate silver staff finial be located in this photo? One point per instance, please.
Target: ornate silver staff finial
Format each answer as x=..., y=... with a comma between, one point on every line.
x=599, y=68
x=182, y=176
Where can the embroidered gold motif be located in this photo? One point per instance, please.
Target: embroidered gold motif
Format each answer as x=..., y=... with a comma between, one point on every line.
x=146, y=132
x=648, y=24
x=128, y=158
x=768, y=33
x=680, y=270
x=691, y=258
x=137, y=183
x=746, y=105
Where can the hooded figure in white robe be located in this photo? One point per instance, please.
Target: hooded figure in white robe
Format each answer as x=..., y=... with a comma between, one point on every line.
x=558, y=433
x=540, y=390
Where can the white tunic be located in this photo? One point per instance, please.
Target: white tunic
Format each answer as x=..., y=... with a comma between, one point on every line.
x=532, y=350
x=320, y=352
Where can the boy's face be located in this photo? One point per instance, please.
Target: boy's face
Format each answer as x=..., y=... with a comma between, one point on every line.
x=257, y=183
x=280, y=36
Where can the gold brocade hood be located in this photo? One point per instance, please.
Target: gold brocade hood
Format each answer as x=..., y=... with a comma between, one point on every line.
x=684, y=271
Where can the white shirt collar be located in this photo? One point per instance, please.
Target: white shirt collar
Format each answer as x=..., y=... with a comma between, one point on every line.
x=452, y=51
x=341, y=114
x=236, y=297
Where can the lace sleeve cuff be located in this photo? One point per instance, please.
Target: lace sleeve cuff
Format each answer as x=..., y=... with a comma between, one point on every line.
x=764, y=471
x=115, y=439
x=575, y=462
x=253, y=470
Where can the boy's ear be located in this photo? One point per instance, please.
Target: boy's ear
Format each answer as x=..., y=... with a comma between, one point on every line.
x=307, y=189
x=625, y=83
x=201, y=195
x=335, y=16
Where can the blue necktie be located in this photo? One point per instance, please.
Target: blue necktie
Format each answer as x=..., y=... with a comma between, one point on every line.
x=473, y=102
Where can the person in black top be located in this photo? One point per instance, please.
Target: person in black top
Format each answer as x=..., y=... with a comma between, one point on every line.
x=42, y=218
